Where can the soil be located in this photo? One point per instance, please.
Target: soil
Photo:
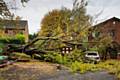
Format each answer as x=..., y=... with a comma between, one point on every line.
x=47, y=71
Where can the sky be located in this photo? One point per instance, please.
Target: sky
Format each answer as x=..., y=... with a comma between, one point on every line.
x=35, y=10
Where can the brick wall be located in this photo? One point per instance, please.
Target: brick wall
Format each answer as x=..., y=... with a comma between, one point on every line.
x=111, y=27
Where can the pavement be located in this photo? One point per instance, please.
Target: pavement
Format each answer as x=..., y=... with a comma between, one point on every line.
x=66, y=75
x=47, y=71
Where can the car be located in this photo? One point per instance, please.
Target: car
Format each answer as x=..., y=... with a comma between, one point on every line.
x=92, y=57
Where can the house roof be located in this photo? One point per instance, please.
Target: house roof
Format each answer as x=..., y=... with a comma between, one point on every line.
x=10, y=24
x=102, y=23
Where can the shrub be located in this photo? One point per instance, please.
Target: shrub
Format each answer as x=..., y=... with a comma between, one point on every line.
x=56, y=58
x=21, y=38
x=61, y=59
x=75, y=66
x=82, y=67
x=50, y=57
x=17, y=39
x=76, y=55
x=93, y=49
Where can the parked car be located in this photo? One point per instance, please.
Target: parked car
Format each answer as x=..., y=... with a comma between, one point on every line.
x=92, y=57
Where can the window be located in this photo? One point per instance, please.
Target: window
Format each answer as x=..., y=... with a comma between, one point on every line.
x=97, y=34
x=66, y=50
x=114, y=22
x=112, y=33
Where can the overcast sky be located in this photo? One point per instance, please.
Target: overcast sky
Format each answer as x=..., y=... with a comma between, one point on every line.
x=36, y=9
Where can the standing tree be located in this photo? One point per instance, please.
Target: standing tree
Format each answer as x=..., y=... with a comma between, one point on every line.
x=55, y=24
x=80, y=21
x=67, y=24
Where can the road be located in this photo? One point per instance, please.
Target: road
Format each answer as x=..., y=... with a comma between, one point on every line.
x=47, y=71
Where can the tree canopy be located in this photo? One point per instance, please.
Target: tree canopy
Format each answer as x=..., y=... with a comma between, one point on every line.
x=67, y=24
x=55, y=23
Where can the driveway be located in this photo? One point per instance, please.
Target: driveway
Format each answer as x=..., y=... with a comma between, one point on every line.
x=47, y=71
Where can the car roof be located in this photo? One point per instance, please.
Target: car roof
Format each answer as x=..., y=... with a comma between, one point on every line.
x=91, y=52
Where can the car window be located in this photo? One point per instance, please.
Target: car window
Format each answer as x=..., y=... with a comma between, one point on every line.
x=95, y=54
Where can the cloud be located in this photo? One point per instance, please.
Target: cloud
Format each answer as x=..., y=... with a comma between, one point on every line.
x=104, y=3
x=109, y=8
x=36, y=9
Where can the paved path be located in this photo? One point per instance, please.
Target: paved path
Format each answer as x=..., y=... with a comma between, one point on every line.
x=46, y=71
x=65, y=75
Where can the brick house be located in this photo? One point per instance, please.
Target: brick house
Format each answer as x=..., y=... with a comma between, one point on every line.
x=110, y=27
x=13, y=27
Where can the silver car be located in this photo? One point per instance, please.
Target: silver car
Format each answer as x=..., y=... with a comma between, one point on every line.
x=92, y=56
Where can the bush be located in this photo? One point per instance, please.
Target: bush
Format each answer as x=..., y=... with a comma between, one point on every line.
x=82, y=67
x=61, y=59
x=93, y=49
x=76, y=55
x=50, y=57
x=21, y=38
x=112, y=66
x=56, y=58
x=17, y=39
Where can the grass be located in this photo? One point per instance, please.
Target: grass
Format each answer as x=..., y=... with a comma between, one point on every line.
x=25, y=69
x=111, y=66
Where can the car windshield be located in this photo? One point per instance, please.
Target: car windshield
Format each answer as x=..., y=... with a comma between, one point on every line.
x=95, y=54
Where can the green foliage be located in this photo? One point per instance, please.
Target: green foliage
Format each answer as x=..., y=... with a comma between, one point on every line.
x=61, y=59
x=66, y=24
x=112, y=66
x=18, y=39
x=56, y=58
x=32, y=36
x=76, y=55
x=93, y=49
x=49, y=57
x=82, y=67
x=21, y=56
x=54, y=23
x=1, y=48
x=37, y=56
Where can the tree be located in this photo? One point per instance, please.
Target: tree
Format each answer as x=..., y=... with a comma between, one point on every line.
x=55, y=23
x=24, y=1
x=32, y=36
x=70, y=23
x=4, y=11
x=5, y=16
x=67, y=24
x=81, y=21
